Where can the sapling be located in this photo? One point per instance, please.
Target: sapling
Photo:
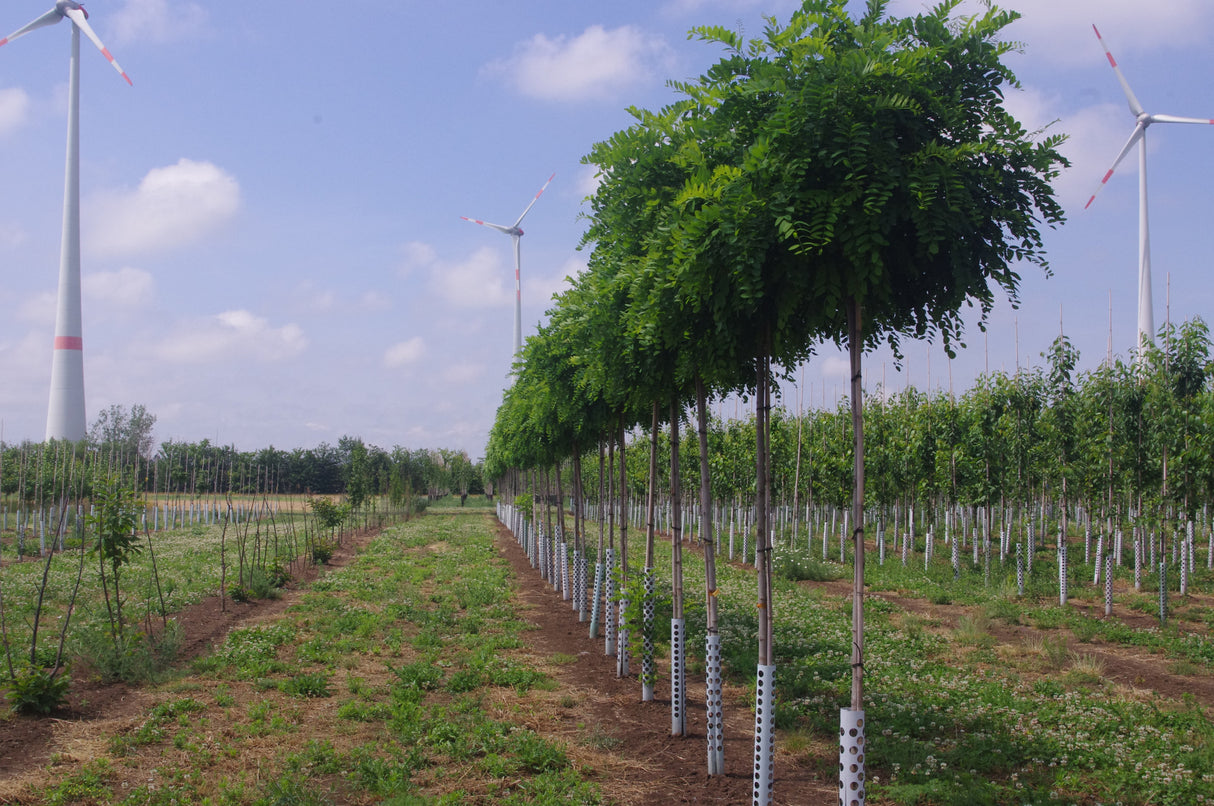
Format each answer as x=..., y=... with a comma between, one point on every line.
x=116, y=543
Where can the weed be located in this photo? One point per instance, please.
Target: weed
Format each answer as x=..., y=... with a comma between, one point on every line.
x=37, y=690
x=134, y=657
x=973, y=629
x=307, y=684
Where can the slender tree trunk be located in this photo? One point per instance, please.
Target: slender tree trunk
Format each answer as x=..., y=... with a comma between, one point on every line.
x=678, y=652
x=855, y=343
x=714, y=717
x=648, y=665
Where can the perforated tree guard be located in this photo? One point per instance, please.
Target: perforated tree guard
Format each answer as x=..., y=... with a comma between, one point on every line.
x=851, y=757
x=621, y=649
x=649, y=667
x=1099, y=559
x=765, y=700
x=596, y=601
x=1163, y=593
x=715, y=716
x=678, y=677
x=1108, y=585
x=1062, y=572
x=609, y=627
x=1019, y=569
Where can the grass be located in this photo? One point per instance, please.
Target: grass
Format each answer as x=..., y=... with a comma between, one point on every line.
x=406, y=678
x=339, y=700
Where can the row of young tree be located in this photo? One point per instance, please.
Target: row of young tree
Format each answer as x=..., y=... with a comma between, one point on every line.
x=1126, y=438
x=848, y=180
x=38, y=474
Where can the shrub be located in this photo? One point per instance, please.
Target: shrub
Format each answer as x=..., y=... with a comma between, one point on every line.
x=37, y=690
x=322, y=552
x=133, y=658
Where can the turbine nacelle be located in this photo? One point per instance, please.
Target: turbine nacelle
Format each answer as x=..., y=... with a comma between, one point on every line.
x=62, y=7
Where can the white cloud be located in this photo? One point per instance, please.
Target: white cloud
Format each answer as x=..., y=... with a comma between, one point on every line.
x=38, y=309
x=374, y=301
x=14, y=109
x=156, y=21
x=1062, y=32
x=597, y=63
x=404, y=353
x=125, y=288
x=232, y=336
x=463, y=374
x=541, y=289
x=478, y=282
x=173, y=206
x=835, y=367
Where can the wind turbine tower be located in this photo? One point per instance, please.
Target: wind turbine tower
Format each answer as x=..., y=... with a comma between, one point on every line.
x=1146, y=315
x=65, y=414
x=515, y=235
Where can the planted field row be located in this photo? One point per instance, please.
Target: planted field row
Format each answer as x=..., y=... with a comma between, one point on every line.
x=984, y=688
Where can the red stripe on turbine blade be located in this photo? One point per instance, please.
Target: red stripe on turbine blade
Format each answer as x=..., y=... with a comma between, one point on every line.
x=1107, y=176
x=1089, y=204
x=69, y=343
x=1112, y=61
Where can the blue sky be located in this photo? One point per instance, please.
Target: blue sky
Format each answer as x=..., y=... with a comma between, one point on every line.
x=272, y=246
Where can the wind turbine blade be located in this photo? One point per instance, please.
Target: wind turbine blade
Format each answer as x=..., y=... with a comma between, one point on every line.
x=1137, y=135
x=77, y=16
x=498, y=227
x=1135, y=107
x=533, y=201
x=49, y=18
x=1174, y=119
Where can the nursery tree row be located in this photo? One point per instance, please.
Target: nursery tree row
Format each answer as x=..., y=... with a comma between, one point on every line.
x=1125, y=436
x=856, y=181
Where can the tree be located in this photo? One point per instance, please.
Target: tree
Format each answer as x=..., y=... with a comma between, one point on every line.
x=127, y=433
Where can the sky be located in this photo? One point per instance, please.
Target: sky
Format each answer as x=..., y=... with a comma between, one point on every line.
x=273, y=249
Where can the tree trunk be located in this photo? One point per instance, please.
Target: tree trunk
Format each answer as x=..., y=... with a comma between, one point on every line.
x=714, y=717
x=855, y=344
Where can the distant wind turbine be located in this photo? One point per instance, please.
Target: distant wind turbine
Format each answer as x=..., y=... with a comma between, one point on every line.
x=1146, y=316
x=65, y=414
x=515, y=234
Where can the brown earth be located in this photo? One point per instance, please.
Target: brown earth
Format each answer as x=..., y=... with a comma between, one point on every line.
x=27, y=743
x=631, y=756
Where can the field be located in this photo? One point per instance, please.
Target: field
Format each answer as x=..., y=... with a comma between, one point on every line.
x=432, y=665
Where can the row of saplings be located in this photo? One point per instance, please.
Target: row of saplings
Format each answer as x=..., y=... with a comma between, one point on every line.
x=36, y=678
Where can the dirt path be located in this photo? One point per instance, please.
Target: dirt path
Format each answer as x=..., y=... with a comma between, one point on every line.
x=28, y=743
x=621, y=744
x=660, y=769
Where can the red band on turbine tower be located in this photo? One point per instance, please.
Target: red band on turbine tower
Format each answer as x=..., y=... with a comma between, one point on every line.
x=69, y=343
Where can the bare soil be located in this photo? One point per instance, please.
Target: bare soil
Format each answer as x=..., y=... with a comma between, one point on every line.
x=617, y=741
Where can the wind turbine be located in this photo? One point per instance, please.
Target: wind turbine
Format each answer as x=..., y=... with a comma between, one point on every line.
x=515, y=234
x=65, y=414
x=1146, y=316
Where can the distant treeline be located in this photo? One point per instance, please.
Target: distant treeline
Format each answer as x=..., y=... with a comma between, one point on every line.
x=43, y=472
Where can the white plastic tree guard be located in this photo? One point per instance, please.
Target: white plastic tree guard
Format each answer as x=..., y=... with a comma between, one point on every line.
x=765, y=701
x=649, y=668
x=851, y=757
x=678, y=678
x=714, y=714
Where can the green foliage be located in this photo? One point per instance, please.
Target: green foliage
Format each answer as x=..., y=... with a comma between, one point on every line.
x=115, y=541
x=322, y=552
x=307, y=684
x=36, y=690
x=801, y=565
x=329, y=514
x=133, y=657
